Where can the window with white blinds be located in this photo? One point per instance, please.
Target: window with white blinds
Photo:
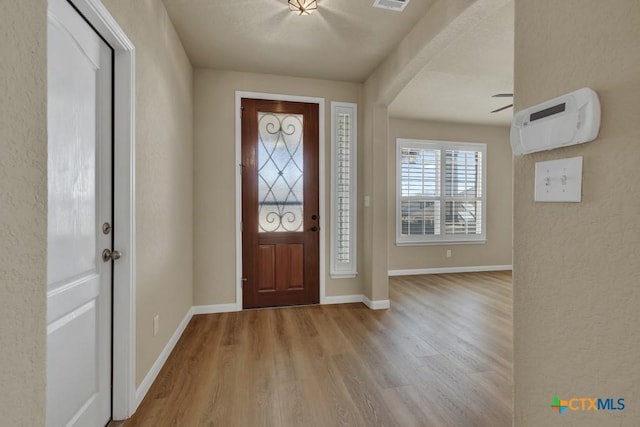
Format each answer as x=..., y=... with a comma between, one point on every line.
x=441, y=192
x=343, y=189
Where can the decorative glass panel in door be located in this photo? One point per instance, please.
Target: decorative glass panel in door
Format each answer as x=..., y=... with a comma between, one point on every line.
x=280, y=172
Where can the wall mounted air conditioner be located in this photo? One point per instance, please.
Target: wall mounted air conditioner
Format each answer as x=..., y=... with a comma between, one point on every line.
x=570, y=119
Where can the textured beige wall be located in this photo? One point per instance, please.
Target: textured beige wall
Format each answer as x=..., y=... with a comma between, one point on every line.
x=445, y=21
x=23, y=212
x=164, y=175
x=378, y=277
x=497, y=250
x=430, y=34
x=576, y=269
x=215, y=166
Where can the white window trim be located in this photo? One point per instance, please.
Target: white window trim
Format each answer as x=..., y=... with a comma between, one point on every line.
x=343, y=270
x=440, y=239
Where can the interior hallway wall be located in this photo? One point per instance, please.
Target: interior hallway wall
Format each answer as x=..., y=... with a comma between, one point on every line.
x=164, y=175
x=576, y=270
x=215, y=172
x=23, y=211
x=445, y=21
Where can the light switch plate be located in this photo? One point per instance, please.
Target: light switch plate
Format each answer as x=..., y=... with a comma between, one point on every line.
x=559, y=180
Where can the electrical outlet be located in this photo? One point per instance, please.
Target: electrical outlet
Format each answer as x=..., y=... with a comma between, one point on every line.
x=156, y=325
x=448, y=253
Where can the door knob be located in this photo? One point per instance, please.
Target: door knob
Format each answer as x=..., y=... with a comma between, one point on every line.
x=109, y=255
x=314, y=229
x=314, y=217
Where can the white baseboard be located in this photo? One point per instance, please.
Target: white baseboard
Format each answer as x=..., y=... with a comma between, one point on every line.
x=342, y=299
x=215, y=308
x=377, y=304
x=445, y=270
x=346, y=299
x=148, y=380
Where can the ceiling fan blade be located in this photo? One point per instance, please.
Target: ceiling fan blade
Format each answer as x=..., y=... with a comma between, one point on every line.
x=502, y=95
x=503, y=108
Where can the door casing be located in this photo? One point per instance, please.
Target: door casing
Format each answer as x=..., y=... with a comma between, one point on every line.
x=124, y=401
x=238, y=181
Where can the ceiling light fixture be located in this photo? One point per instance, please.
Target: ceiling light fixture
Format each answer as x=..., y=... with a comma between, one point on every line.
x=303, y=7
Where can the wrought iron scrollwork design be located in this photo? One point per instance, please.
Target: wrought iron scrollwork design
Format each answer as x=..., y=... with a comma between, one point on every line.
x=280, y=172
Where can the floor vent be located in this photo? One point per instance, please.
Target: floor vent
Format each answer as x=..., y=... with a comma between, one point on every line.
x=397, y=5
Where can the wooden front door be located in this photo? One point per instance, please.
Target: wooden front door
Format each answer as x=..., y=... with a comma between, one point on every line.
x=280, y=208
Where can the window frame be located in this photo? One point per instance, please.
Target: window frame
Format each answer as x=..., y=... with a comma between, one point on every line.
x=442, y=239
x=341, y=269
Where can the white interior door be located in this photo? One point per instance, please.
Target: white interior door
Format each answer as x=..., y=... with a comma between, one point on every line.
x=80, y=203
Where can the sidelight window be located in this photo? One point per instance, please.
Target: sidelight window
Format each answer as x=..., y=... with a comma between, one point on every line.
x=343, y=189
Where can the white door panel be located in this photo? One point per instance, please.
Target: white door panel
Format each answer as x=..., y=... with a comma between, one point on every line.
x=72, y=348
x=65, y=299
x=80, y=202
x=72, y=155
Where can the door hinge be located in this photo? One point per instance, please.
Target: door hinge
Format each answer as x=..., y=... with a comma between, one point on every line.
x=244, y=279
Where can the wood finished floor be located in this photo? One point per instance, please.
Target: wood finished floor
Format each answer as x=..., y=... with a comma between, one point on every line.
x=441, y=356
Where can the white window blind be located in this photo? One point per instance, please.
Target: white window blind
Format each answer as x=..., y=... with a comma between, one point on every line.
x=440, y=192
x=343, y=189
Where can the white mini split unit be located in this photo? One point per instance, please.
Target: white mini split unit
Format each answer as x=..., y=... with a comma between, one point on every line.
x=567, y=120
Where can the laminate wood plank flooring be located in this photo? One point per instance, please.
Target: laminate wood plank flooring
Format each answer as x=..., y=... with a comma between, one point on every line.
x=441, y=356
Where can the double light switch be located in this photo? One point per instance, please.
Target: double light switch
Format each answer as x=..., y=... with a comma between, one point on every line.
x=559, y=180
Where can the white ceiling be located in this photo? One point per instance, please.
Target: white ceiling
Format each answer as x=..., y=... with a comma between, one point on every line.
x=456, y=85
x=347, y=40
x=343, y=40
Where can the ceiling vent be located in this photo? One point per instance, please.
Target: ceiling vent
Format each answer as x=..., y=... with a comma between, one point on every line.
x=397, y=5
